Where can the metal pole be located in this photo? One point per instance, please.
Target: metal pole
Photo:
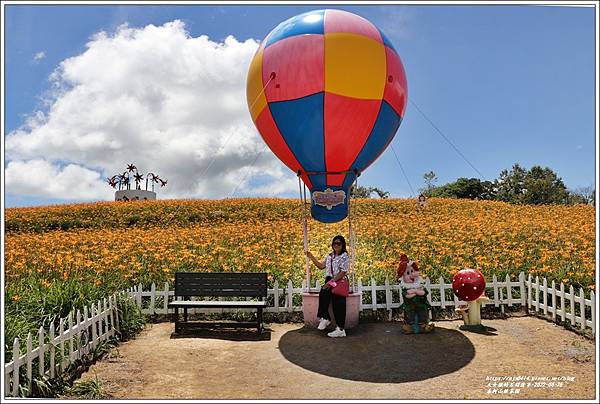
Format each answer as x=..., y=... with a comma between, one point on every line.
x=351, y=237
x=305, y=232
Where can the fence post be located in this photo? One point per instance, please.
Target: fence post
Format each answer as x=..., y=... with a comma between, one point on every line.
x=572, y=301
x=537, y=294
x=442, y=293
x=16, y=367
x=508, y=290
x=86, y=318
x=99, y=318
x=495, y=286
x=166, y=299
x=388, y=298
x=41, y=355
x=29, y=360
x=428, y=287
x=139, y=296
x=105, y=317
x=276, y=295
x=62, y=344
x=360, y=289
x=593, y=302
x=152, y=298
x=529, y=294
x=562, y=302
x=553, y=293
x=93, y=321
x=52, y=349
x=78, y=339
x=455, y=299
x=116, y=311
x=70, y=325
x=110, y=327
x=373, y=295
x=290, y=296
x=522, y=289
x=545, y=296
x=582, y=307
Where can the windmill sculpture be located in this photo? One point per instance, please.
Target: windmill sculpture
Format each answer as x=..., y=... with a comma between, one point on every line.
x=123, y=183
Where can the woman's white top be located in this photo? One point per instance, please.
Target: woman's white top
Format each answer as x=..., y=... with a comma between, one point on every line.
x=334, y=264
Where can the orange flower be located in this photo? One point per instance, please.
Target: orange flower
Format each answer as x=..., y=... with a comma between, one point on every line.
x=16, y=298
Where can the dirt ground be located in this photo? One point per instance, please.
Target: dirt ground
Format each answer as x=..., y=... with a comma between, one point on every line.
x=375, y=361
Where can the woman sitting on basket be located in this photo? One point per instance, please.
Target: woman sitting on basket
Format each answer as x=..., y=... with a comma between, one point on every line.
x=336, y=269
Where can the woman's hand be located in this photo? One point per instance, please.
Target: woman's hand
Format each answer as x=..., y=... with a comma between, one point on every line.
x=320, y=265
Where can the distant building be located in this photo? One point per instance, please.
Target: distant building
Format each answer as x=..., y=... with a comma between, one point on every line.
x=135, y=195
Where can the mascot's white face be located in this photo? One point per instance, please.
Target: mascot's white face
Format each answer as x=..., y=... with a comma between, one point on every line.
x=411, y=275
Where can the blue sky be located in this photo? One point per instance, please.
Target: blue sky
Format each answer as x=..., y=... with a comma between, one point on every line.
x=506, y=84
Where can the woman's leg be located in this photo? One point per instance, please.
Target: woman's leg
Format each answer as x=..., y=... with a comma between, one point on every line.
x=339, y=310
x=324, y=299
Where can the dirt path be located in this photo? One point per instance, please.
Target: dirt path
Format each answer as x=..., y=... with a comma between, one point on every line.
x=375, y=361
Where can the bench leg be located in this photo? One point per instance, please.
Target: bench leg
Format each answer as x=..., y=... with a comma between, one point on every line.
x=185, y=314
x=259, y=320
x=176, y=319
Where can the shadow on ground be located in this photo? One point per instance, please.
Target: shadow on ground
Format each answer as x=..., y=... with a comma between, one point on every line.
x=378, y=353
x=225, y=334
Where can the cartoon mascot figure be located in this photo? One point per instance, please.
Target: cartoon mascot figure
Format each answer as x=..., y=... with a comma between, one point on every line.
x=416, y=306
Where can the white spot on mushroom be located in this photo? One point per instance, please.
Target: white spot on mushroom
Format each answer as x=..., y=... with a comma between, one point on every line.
x=474, y=287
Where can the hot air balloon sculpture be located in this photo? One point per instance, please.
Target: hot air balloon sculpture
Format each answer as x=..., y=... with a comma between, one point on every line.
x=327, y=91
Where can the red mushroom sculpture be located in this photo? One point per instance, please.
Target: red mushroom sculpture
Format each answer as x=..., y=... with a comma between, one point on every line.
x=469, y=285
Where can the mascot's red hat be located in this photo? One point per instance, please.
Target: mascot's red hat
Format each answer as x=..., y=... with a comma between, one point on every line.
x=404, y=262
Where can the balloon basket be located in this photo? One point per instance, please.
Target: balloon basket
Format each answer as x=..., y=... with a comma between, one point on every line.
x=310, y=306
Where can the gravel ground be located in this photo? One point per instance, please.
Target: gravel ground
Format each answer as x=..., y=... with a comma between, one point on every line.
x=375, y=361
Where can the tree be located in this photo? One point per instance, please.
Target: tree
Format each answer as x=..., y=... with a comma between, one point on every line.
x=509, y=185
x=585, y=195
x=429, y=178
x=466, y=188
x=365, y=192
x=534, y=187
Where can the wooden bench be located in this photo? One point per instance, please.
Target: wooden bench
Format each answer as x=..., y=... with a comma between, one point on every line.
x=218, y=284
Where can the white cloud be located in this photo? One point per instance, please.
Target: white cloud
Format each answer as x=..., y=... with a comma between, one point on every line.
x=39, y=56
x=41, y=178
x=172, y=104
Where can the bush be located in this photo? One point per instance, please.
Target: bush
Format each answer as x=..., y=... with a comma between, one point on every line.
x=131, y=319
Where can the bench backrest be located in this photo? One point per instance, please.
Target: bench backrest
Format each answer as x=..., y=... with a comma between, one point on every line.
x=220, y=284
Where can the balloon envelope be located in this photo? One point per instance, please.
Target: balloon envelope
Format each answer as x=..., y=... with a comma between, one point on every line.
x=327, y=92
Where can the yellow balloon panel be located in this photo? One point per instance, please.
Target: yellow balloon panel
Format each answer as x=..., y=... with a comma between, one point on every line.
x=355, y=66
x=255, y=95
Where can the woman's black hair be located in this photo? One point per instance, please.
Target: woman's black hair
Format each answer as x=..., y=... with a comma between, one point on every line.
x=342, y=240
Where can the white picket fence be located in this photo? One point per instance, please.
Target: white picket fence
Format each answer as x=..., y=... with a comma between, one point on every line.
x=535, y=296
x=102, y=321
x=81, y=336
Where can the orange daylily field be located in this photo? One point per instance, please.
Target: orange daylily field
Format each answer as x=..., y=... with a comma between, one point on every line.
x=71, y=254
